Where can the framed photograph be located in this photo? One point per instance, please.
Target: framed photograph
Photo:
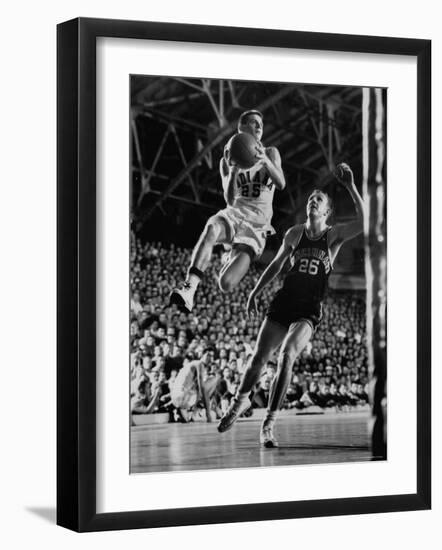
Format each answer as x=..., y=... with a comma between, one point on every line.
x=243, y=255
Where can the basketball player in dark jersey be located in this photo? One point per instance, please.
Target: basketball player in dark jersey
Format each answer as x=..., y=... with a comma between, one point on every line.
x=296, y=309
x=245, y=222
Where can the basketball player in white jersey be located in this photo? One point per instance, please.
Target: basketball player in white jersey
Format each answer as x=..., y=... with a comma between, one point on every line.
x=189, y=387
x=246, y=221
x=296, y=310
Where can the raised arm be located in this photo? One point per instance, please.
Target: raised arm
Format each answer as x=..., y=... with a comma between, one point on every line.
x=271, y=159
x=275, y=266
x=342, y=232
x=228, y=173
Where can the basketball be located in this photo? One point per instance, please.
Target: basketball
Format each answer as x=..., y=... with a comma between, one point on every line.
x=243, y=150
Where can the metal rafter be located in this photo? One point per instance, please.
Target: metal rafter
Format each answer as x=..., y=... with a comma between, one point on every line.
x=222, y=134
x=155, y=175
x=172, y=100
x=221, y=99
x=183, y=160
x=317, y=132
x=189, y=83
x=330, y=98
x=137, y=145
x=165, y=118
x=143, y=92
x=184, y=199
x=216, y=110
x=233, y=95
x=288, y=126
x=145, y=181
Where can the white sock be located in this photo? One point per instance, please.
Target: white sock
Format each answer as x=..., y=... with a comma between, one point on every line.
x=193, y=280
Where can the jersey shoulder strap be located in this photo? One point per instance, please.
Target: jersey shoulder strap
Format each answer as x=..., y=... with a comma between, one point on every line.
x=294, y=235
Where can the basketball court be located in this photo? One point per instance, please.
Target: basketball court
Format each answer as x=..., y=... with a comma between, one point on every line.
x=355, y=136
x=303, y=439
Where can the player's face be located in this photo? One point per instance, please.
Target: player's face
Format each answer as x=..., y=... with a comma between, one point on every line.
x=253, y=125
x=266, y=384
x=318, y=205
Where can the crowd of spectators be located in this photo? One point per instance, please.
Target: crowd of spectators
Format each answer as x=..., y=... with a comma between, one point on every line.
x=330, y=372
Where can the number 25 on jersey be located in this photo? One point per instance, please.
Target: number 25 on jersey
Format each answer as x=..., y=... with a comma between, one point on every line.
x=251, y=190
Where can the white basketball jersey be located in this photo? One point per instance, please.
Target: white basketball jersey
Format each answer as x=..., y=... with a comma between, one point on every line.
x=184, y=393
x=254, y=194
x=185, y=379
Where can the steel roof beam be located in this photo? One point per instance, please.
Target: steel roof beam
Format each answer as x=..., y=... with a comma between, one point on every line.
x=222, y=134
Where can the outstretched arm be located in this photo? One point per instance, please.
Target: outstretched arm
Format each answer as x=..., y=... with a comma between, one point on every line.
x=275, y=266
x=271, y=159
x=344, y=231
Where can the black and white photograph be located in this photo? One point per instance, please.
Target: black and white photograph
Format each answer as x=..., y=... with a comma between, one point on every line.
x=218, y=275
x=258, y=274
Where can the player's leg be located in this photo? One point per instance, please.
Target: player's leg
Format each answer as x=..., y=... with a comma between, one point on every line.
x=189, y=399
x=270, y=337
x=235, y=269
x=297, y=338
x=248, y=243
x=183, y=415
x=210, y=385
x=216, y=230
x=210, y=388
x=179, y=404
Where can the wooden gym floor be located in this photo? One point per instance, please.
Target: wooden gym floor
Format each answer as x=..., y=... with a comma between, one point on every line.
x=303, y=439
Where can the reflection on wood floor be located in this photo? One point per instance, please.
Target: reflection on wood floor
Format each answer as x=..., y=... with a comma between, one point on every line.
x=331, y=438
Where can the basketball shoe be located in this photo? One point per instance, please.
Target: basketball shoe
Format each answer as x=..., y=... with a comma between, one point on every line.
x=235, y=410
x=182, y=296
x=266, y=437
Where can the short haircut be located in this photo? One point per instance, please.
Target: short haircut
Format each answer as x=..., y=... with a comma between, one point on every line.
x=329, y=199
x=243, y=117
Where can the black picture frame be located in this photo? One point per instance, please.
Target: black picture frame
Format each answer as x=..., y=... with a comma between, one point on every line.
x=76, y=274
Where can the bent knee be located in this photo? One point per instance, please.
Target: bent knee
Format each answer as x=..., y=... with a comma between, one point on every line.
x=226, y=282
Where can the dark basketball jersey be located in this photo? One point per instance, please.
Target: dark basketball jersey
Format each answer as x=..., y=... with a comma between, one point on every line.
x=306, y=281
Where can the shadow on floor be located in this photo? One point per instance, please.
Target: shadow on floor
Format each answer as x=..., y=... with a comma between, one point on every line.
x=48, y=514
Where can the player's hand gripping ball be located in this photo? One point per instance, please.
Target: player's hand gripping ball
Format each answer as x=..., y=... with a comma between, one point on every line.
x=243, y=150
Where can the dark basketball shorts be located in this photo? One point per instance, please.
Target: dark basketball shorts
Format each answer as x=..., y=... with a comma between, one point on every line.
x=285, y=312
